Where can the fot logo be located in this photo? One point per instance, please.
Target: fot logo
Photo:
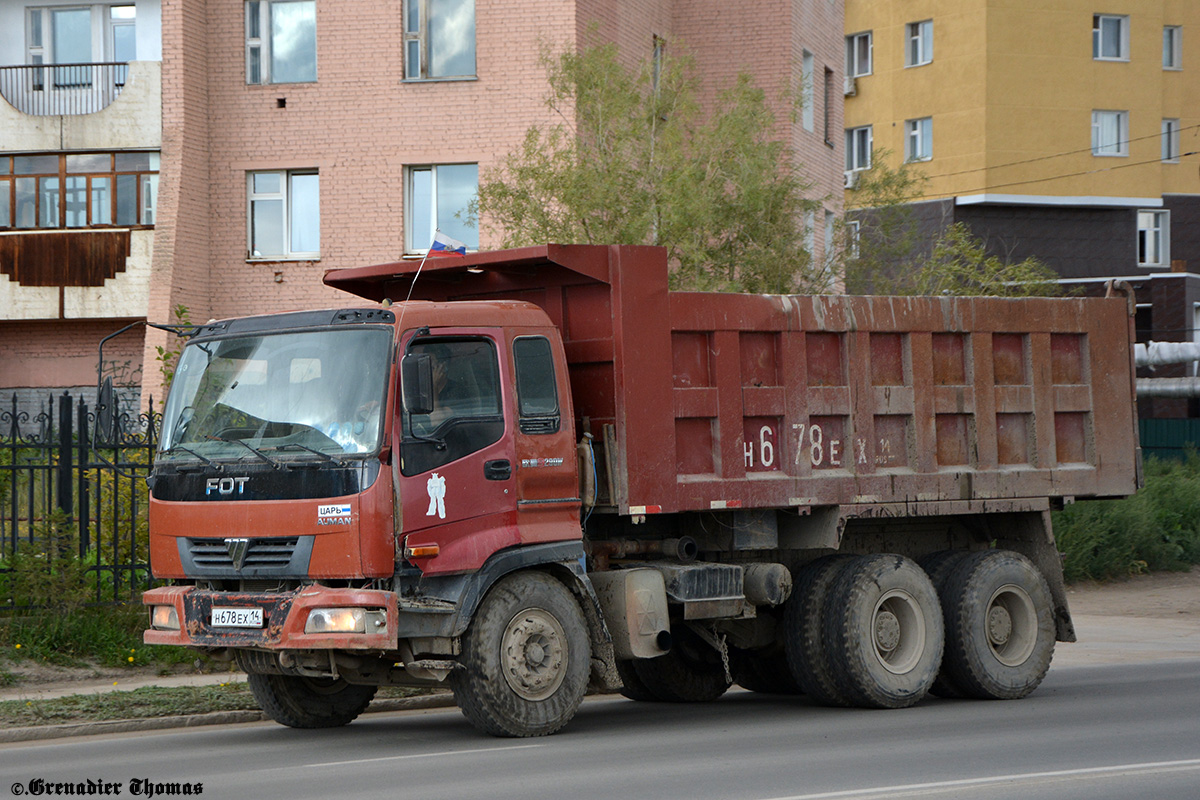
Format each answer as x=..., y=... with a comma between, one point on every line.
x=225, y=486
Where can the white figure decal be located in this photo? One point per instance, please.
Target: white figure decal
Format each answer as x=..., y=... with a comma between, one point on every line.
x=436, y=486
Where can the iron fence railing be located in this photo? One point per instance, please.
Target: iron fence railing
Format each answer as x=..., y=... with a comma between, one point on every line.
x=50, y=89
x=51, y=475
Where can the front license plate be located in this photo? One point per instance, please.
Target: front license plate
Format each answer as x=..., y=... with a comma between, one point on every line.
x=237, y=617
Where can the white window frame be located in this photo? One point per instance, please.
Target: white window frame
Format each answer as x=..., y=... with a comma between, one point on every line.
x=918, y=43
x=852, y=163
x=854, y=67
x=918, y=139
x=808, y=87
x=1153, y=240
x=810, y=233
x=284, y=194
x=261, y=44
x=853, y=234
x=1099, y=21
x=1121, y=148
x=1172, y=47
x=415, y=21
x=1170, y=141
x=411, y=223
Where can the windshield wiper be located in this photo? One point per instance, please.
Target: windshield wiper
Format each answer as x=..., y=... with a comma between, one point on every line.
x=291, y=445
x=208, y=461
x=274, y=464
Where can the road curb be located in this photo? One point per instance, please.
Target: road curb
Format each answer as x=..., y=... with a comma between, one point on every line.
x=70, y=729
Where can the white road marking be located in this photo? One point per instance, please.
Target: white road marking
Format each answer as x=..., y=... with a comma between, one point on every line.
x=425, y=755
x=892, y=791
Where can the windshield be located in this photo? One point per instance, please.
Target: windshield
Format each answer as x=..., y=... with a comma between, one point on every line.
x=285, y=395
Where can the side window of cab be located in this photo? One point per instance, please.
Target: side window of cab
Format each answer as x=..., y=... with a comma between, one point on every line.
x=466, y=413
x=537, y=391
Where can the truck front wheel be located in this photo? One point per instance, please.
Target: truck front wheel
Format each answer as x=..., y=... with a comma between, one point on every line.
x=525, y=658
x=309, y=702
x=690, y=672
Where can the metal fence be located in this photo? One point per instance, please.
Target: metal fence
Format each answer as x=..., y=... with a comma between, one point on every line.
x=51, y=89
x=94, y=499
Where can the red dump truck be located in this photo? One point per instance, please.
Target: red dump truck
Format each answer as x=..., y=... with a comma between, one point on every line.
x=539, y=471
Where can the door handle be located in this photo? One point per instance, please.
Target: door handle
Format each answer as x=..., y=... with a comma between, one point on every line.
x=500, y=470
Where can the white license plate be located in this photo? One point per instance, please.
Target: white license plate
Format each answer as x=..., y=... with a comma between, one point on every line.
x=237, y=617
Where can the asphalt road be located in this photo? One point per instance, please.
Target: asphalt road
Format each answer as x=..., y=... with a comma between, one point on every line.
x=1115, y=731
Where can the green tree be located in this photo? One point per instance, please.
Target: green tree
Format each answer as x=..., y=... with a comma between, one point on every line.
x=635, y=160
x=884, y=250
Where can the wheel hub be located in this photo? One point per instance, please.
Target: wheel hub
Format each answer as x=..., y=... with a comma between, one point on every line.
x=534, y=654
x=887, y=631
x=999, y=625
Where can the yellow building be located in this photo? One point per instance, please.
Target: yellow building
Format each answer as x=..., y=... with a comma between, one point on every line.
x=1064, y=129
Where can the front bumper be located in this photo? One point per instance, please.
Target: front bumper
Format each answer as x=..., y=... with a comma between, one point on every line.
x=284, y=617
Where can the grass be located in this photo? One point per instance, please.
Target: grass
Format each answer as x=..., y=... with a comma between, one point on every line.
x=106, y=636
x=148, y=702
x=1156, y=529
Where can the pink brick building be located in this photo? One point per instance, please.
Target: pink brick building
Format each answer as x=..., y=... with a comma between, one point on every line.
x=300, y=136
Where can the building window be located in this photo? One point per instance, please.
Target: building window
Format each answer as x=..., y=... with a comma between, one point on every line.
x=918, y=48
x=918, y=139
x=79, y=190
x=1170, y=140
x=858, y=55
x=1110, y=37
x=284, y=214
x=858, y=148
x=810, y=233
x=1172, y=47
x=809, y=99
x=437, y=198
x=853, y=234
x=827, y=111
x=281, y=41
x=439, y=39
x=1110, y=133
x=79, y=35
x=1153, y=238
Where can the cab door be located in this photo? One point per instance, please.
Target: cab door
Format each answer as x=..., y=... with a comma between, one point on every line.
x=457, y=484
x=548, y=503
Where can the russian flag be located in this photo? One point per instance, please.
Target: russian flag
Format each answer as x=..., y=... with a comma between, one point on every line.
x=443, y=245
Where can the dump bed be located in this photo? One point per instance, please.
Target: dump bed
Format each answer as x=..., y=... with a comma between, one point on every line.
x=898, y=405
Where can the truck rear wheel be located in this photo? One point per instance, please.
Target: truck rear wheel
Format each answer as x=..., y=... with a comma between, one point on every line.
x=632, y=686
x=883, y=628
x=690, y=672
x=525, y=658
x=300, y=702
x=939, y=566
x=767, y=673
x=999, y=626
x=807, y=654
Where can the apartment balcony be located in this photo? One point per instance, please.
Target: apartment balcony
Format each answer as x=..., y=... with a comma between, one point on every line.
x=44, y=90
x=57, y=107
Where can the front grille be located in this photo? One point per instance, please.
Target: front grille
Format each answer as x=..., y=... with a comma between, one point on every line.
x=260, y=553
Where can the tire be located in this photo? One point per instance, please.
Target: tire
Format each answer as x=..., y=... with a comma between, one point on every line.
x=309, y=702
x=804, y=644
x=1000, y=630
x=939, y=566
x=525, y=658
x=883, y=627
x=632, y=687
x=766, y=673
x=690, y=672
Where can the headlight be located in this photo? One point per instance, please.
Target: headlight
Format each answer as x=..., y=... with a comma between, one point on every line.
x=164, y=618
x=344, y=620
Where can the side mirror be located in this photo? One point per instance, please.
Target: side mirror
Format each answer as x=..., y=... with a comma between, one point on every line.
x=416, y=378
